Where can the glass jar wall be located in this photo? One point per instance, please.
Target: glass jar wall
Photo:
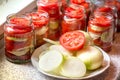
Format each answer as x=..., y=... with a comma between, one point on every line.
x=18, y=37
x=101, y=29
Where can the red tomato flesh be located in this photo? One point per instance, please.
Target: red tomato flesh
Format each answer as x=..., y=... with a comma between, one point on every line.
x=39, y=19
x=74, y=11
x=19, y=21
x=50, y=6
x=78, y=1
x=102, y=21
x=104, y=9
x=73, y=40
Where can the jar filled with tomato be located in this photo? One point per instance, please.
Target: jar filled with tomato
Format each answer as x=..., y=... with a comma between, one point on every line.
x=64, y=4
x=101, y=29
x=50, y=6
x=40, y=21
x=19, y=38
x=87, y=4
x=74, y=18
x=53, y=29
x=53, y=7
x=115, y=3
x=105, y=9
x=118, y=12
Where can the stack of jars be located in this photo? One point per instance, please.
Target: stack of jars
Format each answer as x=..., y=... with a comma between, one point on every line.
x=54, y=18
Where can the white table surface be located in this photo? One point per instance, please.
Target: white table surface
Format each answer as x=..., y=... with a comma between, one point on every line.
x=12, y=6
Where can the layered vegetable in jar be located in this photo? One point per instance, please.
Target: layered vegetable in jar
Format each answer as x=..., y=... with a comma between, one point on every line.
x=101, y=29
x=19, y=38
x=74, y=19
x=40, y=21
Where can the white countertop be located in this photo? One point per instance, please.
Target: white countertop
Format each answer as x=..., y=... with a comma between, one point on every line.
x=12, y=6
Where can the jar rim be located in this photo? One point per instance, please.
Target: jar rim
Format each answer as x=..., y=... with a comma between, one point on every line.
x=19, y=16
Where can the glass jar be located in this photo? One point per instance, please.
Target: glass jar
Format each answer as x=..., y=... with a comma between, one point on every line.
x=118, y=12
x=40, y=21
x=50, y=6
x=105, y=9
x=74, y=18
x=101, y=29
x=64, y=5
x=87, y=4
x=53, y=7
x=19, y=38
x=54, y=29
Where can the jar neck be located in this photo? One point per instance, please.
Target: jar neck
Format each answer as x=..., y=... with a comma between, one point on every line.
x=48, y=2
x=99, y=18
x=75, y=11
x=66, y=18
x=19, y=19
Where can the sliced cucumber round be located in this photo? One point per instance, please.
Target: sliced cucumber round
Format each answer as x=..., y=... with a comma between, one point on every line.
x=50, y=61
x=17, y=39
x=19, y=52
x=54, y=25
x=73, y=67
x=22, y=51
x=94, y=35
x=41, y=31
x=97, y=28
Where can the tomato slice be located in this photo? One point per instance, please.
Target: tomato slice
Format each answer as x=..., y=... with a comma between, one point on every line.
x=39, y=19
x=75, y=11
x=102, y=21
x=86, y=5
x=19, y=21
x=73, y=40
x=77, y=1
x=104, y=9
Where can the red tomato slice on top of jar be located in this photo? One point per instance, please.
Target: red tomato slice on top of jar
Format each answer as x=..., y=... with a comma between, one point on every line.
x=39, y=19
x=75, y=11
x=18, y=26
x=19, y=21
x=78, y=1
x=86, y=5
x=73, y=40
x=104, y=9
x=102, y=21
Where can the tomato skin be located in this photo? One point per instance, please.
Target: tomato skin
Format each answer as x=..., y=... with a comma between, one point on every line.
x=50, y=6
x=73, y=40
x=72, y=25
x=101, y=21
x=39, y=19
x=105, y=9
x=86, y=5
x=75, y=11
x=19, y=21
x=78, y=1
